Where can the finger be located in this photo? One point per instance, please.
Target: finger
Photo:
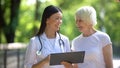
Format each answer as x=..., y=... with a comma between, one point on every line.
x=75, y=66
x=67, y=65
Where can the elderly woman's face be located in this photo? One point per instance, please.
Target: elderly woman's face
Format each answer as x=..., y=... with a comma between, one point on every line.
x=81, y=25
x=55, y=21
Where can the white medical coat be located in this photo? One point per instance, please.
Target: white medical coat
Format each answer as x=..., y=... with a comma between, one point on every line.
x=32, y=58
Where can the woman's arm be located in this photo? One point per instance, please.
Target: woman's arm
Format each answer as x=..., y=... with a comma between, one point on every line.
x=108, y=55
x=31, y=57
x=41, y=63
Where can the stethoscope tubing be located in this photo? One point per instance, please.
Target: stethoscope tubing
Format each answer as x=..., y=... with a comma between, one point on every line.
x=61, y=42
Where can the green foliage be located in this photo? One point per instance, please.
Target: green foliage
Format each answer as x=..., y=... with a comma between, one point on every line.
x=68, y=27
x=111, y=18
x=108, y=17
x=28, y=26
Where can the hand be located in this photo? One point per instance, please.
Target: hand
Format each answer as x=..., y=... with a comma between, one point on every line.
x=41, y=63
x=47, y=59
x=69, y=65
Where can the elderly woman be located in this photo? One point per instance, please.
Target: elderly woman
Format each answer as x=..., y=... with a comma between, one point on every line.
x=96, y=44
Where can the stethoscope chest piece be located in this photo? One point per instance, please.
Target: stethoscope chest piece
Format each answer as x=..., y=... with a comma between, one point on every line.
x=38, y=52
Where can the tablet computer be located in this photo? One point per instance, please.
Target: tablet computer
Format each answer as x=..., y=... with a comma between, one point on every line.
x=71, y=57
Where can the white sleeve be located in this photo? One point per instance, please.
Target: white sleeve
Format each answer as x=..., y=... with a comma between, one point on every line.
x=30, y=57
x=106, y=40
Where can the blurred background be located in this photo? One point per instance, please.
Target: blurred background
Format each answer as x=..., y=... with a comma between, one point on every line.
x=20, y=20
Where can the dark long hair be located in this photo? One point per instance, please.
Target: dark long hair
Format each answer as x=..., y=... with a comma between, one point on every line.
x=48, y=11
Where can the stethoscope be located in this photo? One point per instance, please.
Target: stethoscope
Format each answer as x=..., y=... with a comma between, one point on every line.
x=61, y=44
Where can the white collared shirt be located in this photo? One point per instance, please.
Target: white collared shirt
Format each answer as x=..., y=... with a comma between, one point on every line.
x=34, y=45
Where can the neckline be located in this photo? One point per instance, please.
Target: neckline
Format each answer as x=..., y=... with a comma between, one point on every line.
x=89, y=35
x=52, y=41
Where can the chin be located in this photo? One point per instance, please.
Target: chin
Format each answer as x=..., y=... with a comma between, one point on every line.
x=57, y=30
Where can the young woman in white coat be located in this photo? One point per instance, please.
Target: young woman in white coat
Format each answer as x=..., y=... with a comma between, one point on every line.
x=47, y=41
x=96, y=44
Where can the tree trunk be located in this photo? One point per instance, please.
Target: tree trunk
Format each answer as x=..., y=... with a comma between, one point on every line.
x=2, y=20
x=10, y=29
x=37, y=12
x=37, y=15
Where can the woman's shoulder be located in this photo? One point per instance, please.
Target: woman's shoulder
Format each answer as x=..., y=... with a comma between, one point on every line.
x=78, y=37
x=104, y=37
x=64, y=36
x=33, y=39
x=101, y=34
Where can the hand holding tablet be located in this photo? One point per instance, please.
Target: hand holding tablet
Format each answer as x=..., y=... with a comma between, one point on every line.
x=71, y=57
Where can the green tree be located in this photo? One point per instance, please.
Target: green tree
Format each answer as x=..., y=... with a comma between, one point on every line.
x=9, y=27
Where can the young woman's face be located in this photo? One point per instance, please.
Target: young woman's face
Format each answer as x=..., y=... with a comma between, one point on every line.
x=81, y=25
x=55, y=21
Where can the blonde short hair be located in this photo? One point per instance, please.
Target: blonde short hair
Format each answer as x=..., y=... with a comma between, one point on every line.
x=87, y=14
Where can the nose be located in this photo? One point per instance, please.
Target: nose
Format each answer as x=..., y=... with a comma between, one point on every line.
x=60, y=21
